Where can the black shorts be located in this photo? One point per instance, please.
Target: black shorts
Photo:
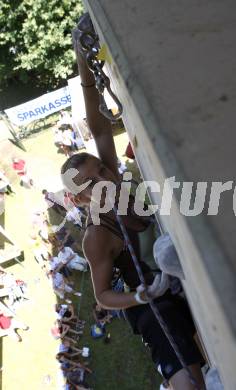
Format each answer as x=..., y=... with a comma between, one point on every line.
x=177, y=317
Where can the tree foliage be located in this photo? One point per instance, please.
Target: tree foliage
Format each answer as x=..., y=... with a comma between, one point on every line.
x=35, y=40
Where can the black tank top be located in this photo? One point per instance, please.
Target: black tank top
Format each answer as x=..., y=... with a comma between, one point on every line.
x=124, y=261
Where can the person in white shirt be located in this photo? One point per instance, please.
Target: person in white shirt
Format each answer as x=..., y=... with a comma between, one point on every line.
x=67, y=140
x=74, y=215
x=60, y=311
x=59, y=285
x=8, y=285
x=56, y=265
x=67, y=137
x=10, y=288
x=58, y=137
x=54, y=262
x=64, y=119
x=53, y=201
x=68, y=257
x=66, y=313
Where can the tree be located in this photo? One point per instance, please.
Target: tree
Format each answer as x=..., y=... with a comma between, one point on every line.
x=35, y=40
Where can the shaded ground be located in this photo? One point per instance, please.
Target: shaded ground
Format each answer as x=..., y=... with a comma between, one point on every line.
x=124, y=363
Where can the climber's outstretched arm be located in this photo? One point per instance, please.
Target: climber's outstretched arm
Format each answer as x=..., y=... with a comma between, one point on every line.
x=99, y=126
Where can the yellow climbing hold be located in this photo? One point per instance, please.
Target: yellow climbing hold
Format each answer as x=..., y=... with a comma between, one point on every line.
x=104, y=54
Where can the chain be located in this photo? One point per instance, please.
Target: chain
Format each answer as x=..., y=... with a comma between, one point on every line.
x=89, y=42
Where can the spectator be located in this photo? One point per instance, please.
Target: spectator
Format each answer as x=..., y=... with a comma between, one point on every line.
x=7, y=283
x=13, y=289
x=61, y=358
x=9, y=325
x=38, y=219
x=68, y=200
x=68, y=349
x=53, y=240
x=53, y=202
x=5, y=184
x=77, y=140
x=45, y=230
x=68, y=257
x=76, y=377
x=58, y=138
x=66, y=313
x=101, y=316
x=67, y=140
x=64, y=236
x=56, y=265
x=19, y=166
x=74, y=215
x=59, y=285
x=69, y=203
x=40, y=251
x=60, y=330
x=70, y=327
x=64, y=118
x=21, y=290
x=67, y=367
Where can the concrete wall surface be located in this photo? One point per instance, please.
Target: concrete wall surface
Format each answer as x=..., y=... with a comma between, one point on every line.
x=173, y=68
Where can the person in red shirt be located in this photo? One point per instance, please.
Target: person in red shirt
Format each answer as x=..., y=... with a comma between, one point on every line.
x=60, y=330
x=9, y=325
x=19, y=167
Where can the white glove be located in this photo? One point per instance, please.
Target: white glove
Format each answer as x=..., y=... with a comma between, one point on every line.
x=159, y=286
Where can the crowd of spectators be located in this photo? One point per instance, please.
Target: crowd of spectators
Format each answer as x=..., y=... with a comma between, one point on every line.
x=72, y=359
x=56, y=253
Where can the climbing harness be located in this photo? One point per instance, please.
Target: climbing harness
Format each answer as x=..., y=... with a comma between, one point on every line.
x=86, y=38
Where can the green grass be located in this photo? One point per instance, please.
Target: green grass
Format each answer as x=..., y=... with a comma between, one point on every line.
x=124, y=363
